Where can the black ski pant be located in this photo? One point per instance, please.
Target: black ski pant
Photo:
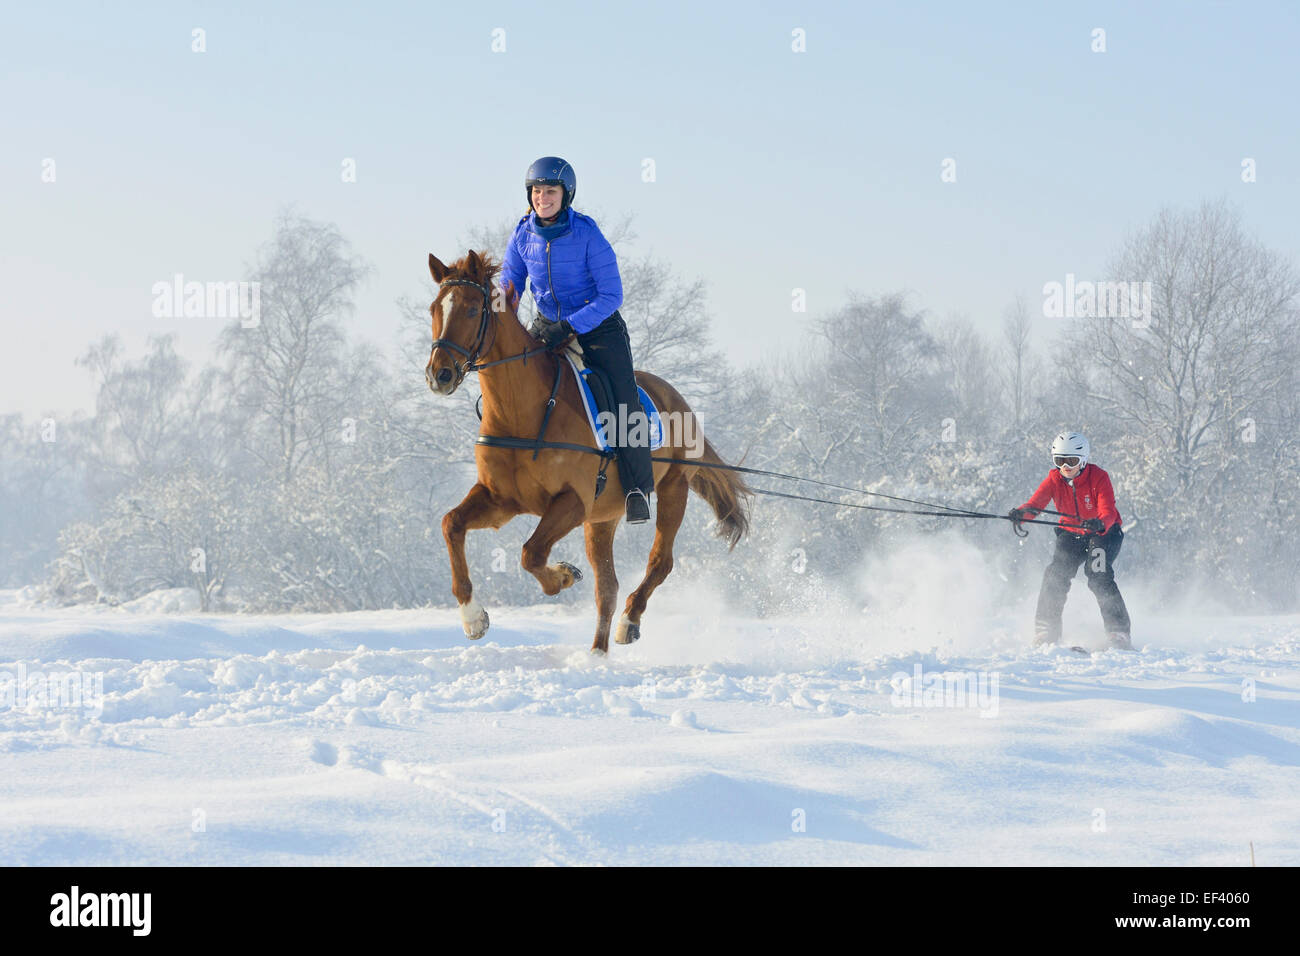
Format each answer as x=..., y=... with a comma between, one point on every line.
x=608, y=348
x=1097, y=553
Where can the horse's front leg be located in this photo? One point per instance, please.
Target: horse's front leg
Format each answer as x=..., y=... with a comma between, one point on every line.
x=565, y=512
x=479, y=510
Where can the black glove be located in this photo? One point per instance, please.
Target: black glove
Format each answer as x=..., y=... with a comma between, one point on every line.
x=1095, y=525
x=552, y=333
x=1018, y=514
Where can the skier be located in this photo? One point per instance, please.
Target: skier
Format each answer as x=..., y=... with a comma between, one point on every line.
x=1089, y=533
x=578, y=290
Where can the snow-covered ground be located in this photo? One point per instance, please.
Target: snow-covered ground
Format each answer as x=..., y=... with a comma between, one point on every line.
x=387, y=738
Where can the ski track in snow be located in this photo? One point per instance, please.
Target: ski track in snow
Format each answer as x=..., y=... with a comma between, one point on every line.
x=387, y=738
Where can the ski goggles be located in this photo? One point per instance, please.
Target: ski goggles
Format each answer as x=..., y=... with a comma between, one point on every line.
x=1070, y=461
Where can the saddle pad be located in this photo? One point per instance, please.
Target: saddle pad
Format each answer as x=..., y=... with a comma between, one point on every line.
x=593, y=413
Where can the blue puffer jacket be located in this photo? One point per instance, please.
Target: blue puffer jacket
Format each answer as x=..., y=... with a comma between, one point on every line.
x=575, y=274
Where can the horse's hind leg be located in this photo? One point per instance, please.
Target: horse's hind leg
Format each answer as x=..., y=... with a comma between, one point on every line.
x=565, y=513
x=478, y=510
x=600, y=555
x=671, y=491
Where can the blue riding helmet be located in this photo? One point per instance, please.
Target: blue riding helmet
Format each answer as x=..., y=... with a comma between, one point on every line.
x=551, y=171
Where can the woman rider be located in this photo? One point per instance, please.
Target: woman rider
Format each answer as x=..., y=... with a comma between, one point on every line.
x=577, y=288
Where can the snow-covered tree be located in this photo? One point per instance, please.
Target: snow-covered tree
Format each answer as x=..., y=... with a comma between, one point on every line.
x=287, y=372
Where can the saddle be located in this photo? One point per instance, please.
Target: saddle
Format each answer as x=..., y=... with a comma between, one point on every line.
x=598, y=399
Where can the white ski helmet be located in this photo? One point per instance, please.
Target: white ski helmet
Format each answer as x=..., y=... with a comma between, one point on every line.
x=1068, y=444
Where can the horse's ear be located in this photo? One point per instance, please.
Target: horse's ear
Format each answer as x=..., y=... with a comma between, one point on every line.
x=475, y=265
x=437, y=269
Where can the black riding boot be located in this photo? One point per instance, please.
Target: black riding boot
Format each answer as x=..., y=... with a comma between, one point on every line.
x=608, y=348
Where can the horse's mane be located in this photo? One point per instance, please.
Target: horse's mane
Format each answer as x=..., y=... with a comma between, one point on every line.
x=488, y=270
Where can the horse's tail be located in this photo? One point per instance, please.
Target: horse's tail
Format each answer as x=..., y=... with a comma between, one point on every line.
x=726, y=493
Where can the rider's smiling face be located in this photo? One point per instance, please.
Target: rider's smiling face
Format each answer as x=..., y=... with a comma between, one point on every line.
x=547, y=200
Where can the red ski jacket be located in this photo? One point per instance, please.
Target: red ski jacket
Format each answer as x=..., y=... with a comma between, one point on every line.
x=1090, y=497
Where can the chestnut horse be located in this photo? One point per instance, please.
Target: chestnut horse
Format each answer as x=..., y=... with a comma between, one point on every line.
x=475, y=326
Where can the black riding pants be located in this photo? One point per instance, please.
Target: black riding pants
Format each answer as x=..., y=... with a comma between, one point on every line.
x=608, y=348
x=1097, y=553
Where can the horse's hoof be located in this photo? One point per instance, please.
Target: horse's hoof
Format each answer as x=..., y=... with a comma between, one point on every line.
x=598, y=652
x=627, y=632
x=474, y=618
x=572, y=569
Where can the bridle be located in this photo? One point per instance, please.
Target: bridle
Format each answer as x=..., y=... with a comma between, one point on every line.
x=484, y=321
x=481, y=345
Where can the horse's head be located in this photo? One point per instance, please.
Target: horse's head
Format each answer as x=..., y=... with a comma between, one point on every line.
x=462, y=319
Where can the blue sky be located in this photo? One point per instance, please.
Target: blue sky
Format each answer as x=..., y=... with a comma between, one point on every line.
x=774, y=169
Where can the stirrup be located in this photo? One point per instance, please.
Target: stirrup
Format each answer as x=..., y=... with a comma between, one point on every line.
x=638, y=507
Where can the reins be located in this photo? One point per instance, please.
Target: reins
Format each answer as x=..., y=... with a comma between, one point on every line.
x=535, y=445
